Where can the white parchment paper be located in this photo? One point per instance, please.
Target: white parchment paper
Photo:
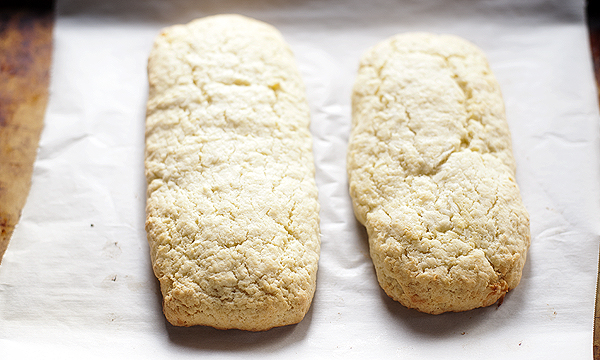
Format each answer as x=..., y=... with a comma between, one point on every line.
x=76, y=279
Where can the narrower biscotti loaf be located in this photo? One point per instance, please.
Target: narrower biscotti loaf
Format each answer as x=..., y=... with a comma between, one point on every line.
x=432, y=175
x=232, y=211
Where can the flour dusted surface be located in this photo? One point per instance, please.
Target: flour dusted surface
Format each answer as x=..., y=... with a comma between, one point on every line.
x=431, y=174
x=232, y=211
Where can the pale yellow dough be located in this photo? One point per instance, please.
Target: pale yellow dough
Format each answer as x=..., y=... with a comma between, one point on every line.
x=232, y=211
x=432, y=175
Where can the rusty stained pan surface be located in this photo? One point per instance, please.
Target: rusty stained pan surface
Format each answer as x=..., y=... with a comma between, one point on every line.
x=25, y=57
x=593, y=22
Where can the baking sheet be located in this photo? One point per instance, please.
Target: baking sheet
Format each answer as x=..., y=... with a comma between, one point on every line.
x=76, y=279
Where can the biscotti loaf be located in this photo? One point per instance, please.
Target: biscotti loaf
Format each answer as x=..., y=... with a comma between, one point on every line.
x=232, y=211
x=432, y=175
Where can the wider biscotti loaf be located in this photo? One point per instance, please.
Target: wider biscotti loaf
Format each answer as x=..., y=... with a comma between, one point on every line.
x=432, y=175
x=232, y=211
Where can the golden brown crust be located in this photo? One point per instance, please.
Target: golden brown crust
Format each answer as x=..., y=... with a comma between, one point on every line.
x=232, y=211
x=431, y=174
